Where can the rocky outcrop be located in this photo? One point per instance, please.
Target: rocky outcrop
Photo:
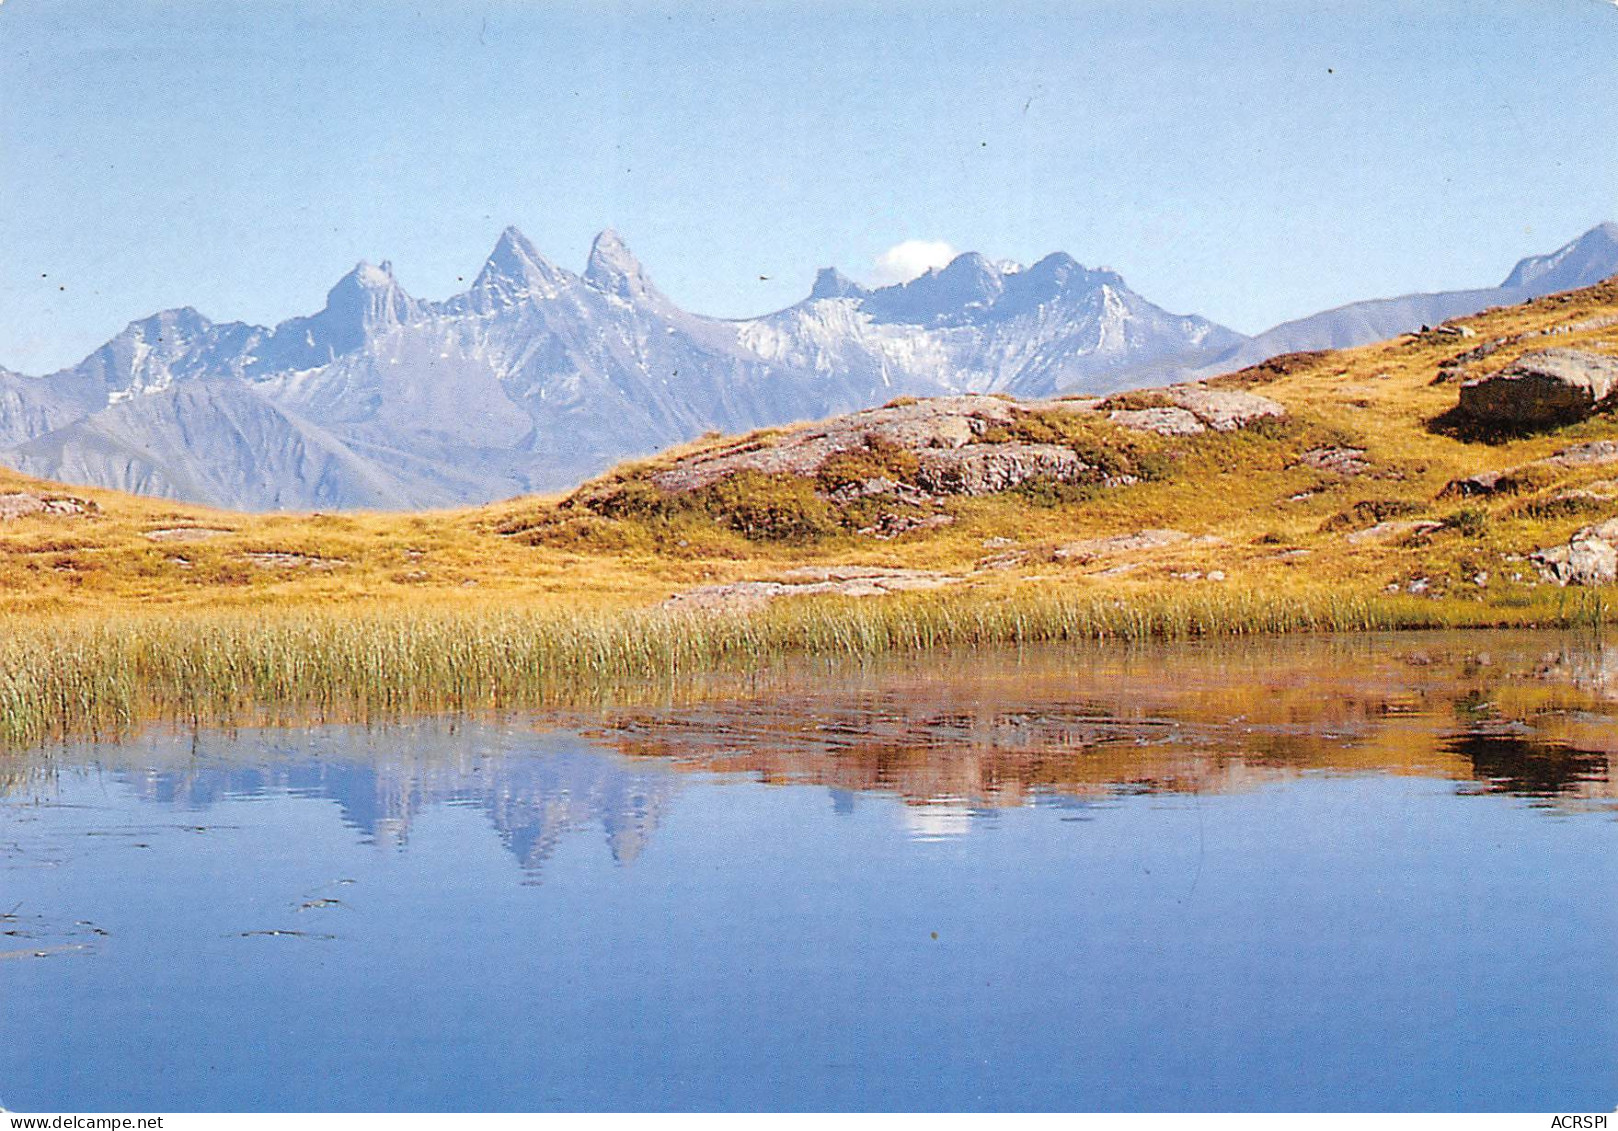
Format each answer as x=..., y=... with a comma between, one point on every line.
x=20, y=504
x=1596, y=453
x=1513, y=480
x=983, y=469
x=1337, y=461
x=1549, y=387
x=888, y=471
x=938, y=424
x=1094, y=549
x=1187, y=410
x=1224, y=410
x=843, y=581
x=1166, y=421
x=1392, y=530
x=1590, y=557
x=1596, y=491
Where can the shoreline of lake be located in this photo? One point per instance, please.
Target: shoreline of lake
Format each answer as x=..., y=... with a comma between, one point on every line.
x=95, y=675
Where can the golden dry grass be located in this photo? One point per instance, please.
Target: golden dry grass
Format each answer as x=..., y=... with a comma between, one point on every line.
x=102, y=674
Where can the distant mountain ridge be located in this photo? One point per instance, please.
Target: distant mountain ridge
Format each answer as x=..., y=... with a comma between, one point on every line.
x=1580, y=263
x=973, y=326
x=536, y=377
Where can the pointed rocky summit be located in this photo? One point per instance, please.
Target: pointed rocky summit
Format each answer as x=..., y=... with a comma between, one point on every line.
x=365, y=300
x=613, y=268
x=832, y=283
x=514, y=272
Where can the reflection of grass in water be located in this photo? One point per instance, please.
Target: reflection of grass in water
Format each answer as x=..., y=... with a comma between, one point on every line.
x=1526, y=765
x=102, y=675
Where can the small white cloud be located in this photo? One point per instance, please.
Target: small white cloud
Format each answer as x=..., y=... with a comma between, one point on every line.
x=904, y=261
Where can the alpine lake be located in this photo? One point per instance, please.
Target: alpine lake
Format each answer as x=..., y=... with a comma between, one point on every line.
x=1317, y=873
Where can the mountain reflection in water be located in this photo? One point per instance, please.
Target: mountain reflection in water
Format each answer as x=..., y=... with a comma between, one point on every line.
x=956, y=738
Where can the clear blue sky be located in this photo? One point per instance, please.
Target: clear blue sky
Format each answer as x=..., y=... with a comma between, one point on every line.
x=1248, y=161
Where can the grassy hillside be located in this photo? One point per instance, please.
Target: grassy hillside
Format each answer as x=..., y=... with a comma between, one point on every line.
x=493, y=604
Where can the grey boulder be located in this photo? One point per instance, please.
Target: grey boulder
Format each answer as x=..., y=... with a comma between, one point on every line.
x=1548, y=387
x=1590, y=557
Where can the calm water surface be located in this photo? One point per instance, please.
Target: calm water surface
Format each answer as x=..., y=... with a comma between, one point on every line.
x=1368, y=873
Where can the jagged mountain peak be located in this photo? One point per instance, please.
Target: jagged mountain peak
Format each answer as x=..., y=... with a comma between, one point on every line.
x=366, y=298
x=164, y=334
x=140, y=355
x=1056, y=277
x=366, y=278
x=168, y=324
x=1056, y=263
x=515, y=266
x=832, y=283
x=371, y=276
x=1055, y=272
x=969, y=265
x=968, y=282
x=613, y=268
x=971, y=286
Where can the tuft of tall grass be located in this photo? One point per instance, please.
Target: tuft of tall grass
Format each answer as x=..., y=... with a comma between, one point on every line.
x=101, y=676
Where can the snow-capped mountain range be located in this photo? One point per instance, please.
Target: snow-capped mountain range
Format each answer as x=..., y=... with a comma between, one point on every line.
x=536, y=377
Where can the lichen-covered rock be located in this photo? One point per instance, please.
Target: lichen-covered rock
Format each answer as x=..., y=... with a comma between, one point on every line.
x=1596, y=453
x=1224, y=410
x=1337, y=461
x=1396, y=528
x=941, y=423
x=844, y=581
x=1189, y=409
x=983, y=469
x=20, y=504
x=1590, y=557
x=1596, y=491
x=1548, y=387
x=881, y=487
x=892, y=525
x=1167, y=421
x=1091, y=549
